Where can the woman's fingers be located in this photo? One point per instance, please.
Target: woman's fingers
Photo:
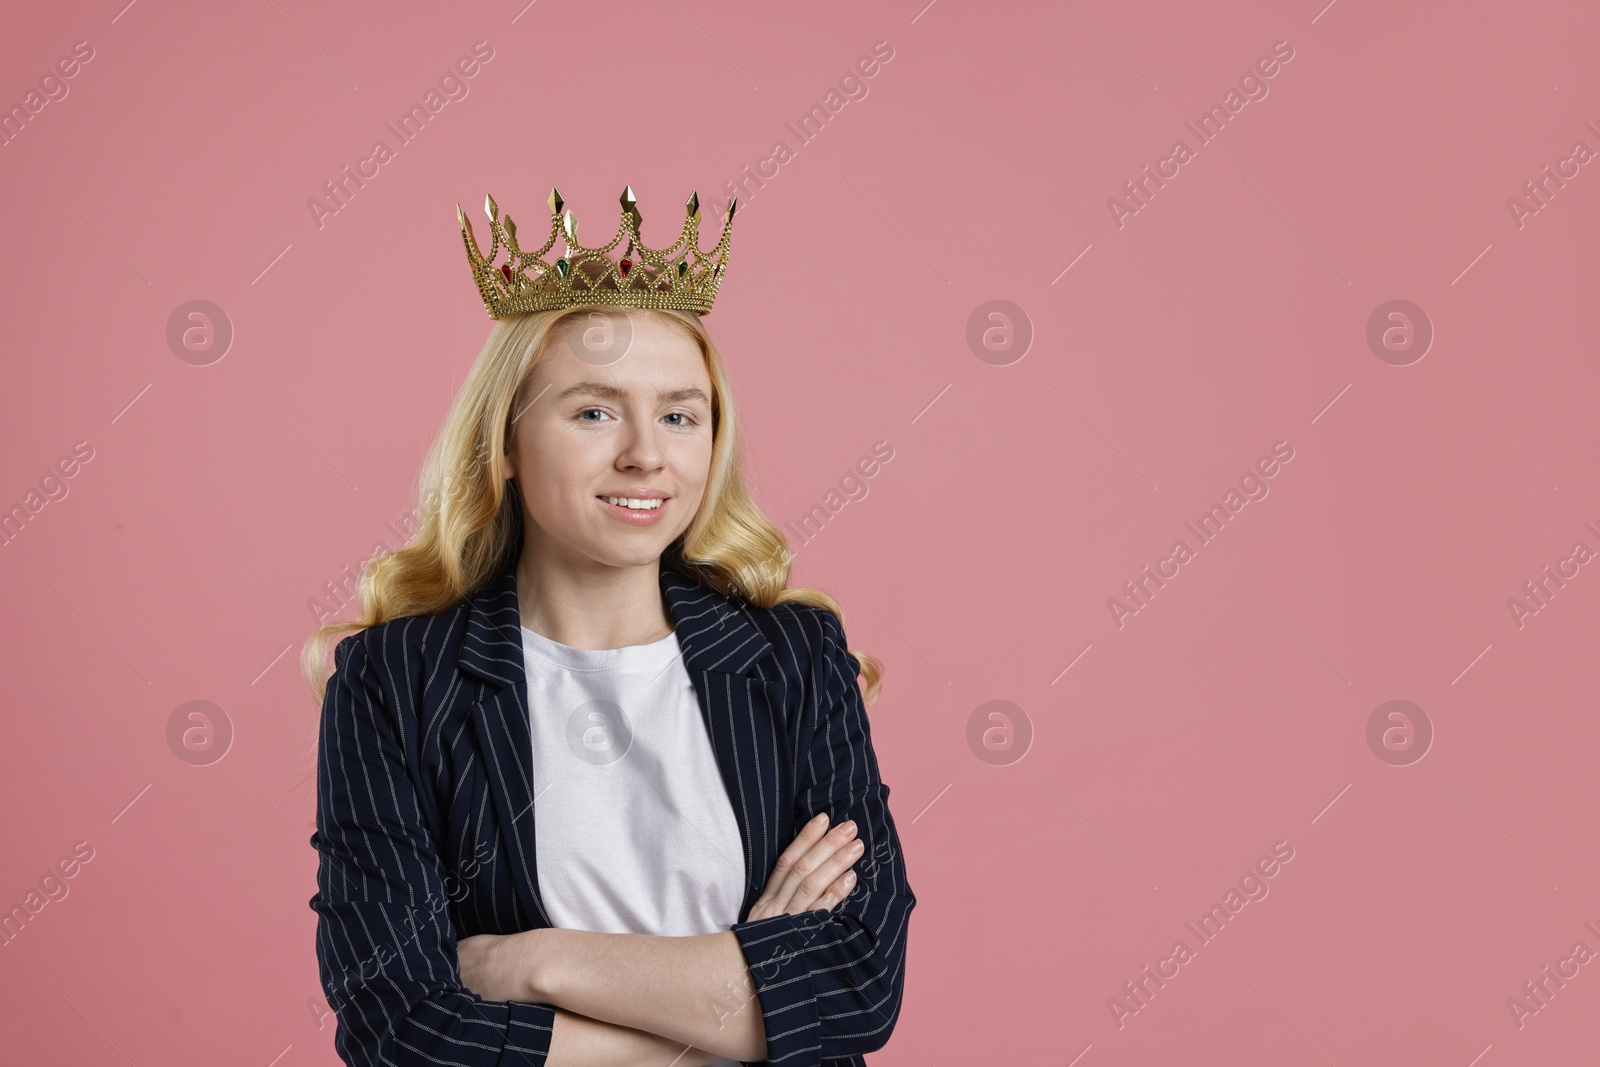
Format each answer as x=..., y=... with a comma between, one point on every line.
x=840, y=889
x=805, y=879
x=811, y=875
x=813, y=872
x=767, y=903
x=826, y=877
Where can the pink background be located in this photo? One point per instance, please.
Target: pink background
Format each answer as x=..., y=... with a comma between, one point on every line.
x=1228, y=314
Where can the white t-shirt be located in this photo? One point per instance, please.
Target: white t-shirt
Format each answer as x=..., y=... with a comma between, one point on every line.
x=634, y=831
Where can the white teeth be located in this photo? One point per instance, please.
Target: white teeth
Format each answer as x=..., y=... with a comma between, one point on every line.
x=629, y=502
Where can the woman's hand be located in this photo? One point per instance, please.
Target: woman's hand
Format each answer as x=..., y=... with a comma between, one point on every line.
x=813, y=872
x=499, y=966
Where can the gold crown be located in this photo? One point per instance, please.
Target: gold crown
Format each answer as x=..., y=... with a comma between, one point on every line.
x=679, y=276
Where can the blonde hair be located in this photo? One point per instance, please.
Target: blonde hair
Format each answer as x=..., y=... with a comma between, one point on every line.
x=470, y=515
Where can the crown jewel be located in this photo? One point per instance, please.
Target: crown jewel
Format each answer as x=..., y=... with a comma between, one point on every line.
x=679, y=276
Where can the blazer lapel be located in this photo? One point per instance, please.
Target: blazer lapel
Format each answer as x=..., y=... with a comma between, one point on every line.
x=723, y=650
x=492, y=650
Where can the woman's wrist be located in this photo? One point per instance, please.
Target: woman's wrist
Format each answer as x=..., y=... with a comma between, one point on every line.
x=533, y=960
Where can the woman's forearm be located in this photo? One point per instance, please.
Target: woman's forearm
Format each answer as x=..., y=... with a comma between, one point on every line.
x=693, y=991
x=579, y=1041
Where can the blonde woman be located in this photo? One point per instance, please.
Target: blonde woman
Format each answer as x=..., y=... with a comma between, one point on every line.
x=595, y=786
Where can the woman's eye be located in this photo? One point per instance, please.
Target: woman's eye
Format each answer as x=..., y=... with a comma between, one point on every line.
x=688, y=419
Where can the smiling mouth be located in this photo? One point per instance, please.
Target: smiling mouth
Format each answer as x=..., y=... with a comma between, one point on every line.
x=633, y=504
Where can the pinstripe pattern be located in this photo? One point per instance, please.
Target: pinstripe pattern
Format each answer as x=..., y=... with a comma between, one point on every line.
x=425, y=827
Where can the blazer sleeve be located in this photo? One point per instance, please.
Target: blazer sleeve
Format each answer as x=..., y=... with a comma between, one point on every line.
x=386, y=946
x=829, y=982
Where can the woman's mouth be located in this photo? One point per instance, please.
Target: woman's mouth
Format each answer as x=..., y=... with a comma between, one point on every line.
x=635, y=511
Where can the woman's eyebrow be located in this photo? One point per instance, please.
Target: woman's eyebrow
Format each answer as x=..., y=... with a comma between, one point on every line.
x=615, y=392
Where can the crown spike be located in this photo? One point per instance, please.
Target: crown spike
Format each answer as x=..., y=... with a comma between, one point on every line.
x=630, y=206
x=555, y=201
x=727, y=219
x=467, y=234
x=490, y=208
x=693, y=205
x=569, y=223
x=511, y=227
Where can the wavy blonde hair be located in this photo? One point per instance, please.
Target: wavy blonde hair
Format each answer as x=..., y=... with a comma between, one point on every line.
x=470, y=514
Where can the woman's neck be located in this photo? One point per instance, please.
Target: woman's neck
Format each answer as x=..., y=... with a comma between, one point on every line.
x=594, y=607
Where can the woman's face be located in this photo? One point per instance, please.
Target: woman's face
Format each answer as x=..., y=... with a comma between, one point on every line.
x=618, y=406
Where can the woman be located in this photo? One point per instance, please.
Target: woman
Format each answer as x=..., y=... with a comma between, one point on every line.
x=594, y=785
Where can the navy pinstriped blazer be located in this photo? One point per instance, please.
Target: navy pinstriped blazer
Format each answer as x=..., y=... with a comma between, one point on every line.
x=425, y=827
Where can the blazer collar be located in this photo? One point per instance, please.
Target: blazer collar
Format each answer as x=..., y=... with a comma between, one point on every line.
x=715, y=632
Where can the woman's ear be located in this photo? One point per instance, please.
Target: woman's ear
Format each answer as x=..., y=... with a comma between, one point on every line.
x=508, y=453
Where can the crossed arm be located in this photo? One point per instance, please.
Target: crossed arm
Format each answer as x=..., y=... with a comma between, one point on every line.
x=626, y=998
x=646, y=999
